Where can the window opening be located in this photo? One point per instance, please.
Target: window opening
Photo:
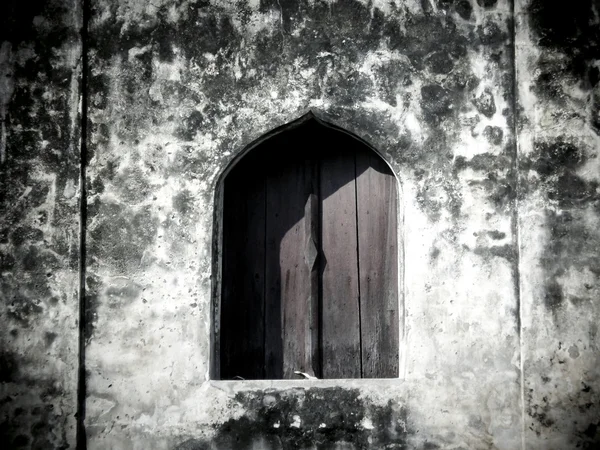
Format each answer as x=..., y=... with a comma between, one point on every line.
x=310, y=260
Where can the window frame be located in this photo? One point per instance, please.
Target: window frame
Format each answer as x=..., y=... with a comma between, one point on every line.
x=217, y=256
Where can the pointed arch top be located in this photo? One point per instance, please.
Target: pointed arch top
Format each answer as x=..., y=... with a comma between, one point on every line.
x=313, y=117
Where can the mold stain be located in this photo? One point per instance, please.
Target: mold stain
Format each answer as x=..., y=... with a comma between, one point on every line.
x=122, y=236
x=576, y=34
x=498, y=181
x=321, y=418
x=494, y=135
x=464, y=9
x=8, y=367
x=485, y=103
x=571, y=242
x=432, y=45
x=544, y=416
x=570, y=47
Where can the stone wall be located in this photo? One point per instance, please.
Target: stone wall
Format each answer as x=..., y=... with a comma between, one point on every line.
x=488, y=113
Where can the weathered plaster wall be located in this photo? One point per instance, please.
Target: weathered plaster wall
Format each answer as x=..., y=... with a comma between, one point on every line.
x=40, y=54
x=177, y=90
x=559, y=214
x=499, y=343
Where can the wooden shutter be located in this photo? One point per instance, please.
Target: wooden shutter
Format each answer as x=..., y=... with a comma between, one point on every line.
x=340, y=299
x=242, y=305
x=378, y=268
x=290, y=294
x=310, y=264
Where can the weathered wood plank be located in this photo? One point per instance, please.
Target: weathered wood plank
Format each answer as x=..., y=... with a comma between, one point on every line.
x=289, y=291
x=340, y=296
x=242, y=303
x=378, y=265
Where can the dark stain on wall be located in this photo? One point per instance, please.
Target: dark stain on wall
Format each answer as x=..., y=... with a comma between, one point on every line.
x=436, y=102
x=183, y=202
x=540, y=413
x=499, y=181
x=32, y=426
x=506, y=251
x=575, y=37
x=464, y=9
x=122, y=236
x=116, y=37
x=490, y=33
x=31, y=120
x=543, y=414
x=487, y=3
x=38, y=22
x=191, y=124
x=568, y=248
x=122, y=295
x=485, y=103
x=435, y=46
x=571, y=243
x=556, y=156
x=575, y=34
x=92, y=288
x=38, y=219
x=320, y=417
x=494, y=135
x=497, y=235
x=8, y=367
x=424, y=36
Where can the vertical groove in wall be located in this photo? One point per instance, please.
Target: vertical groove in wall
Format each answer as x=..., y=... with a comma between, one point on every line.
x=402, y=335
x=265, y=287
x=360, y=337
x=516, y=170
x=81, y=382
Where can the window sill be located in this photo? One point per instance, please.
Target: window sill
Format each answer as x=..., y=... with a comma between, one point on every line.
x=243, y=385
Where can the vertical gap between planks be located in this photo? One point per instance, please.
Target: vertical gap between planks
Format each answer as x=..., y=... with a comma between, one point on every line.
x=317, y=266
x=320, y=267
x=360, y=336
x=80, y=435
x=313, y=241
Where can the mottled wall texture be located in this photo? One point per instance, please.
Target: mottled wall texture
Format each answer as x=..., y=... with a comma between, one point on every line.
x=119, y=119
x=40, y=134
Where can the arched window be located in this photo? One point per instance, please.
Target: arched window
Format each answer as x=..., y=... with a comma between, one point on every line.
x=309, y=262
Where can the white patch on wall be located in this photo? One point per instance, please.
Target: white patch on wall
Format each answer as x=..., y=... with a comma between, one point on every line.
x=413, y=125
x=367, y=424
x=296, y=422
